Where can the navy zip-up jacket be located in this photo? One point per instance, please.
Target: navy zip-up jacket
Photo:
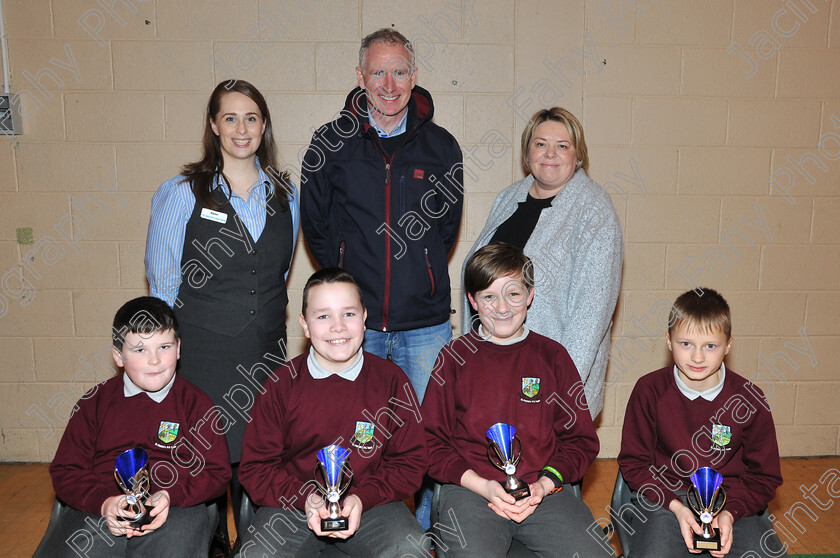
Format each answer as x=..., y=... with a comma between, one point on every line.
x=388, y=220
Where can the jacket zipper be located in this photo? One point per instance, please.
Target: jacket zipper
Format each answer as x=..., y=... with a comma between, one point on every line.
x=341, y=255
x=388, y=161
x=429, y=270
x=387, y=244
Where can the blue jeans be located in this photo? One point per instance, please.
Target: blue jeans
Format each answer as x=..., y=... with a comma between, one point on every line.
x=415, y=351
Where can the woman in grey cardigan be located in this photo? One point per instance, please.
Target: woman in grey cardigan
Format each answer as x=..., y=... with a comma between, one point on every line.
x=566, y=223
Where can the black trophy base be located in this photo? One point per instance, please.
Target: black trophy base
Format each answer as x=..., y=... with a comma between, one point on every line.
x=519, y=493
x=337, y=524
x=139, y=520
x=702, y=543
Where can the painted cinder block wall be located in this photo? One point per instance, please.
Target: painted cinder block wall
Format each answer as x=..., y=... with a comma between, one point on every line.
x=714, y=125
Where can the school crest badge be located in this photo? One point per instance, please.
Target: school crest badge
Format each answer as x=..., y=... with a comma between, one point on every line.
x=363, y=436
x=168, y=431
x=530, y=387
x=721, y=435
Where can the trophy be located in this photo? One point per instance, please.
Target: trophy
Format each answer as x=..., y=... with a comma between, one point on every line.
x=332, y=461
x=132, y=474
x=706, y=498
x=506, y=448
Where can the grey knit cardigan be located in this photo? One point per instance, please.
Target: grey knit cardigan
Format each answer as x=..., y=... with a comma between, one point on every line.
x=577, y=251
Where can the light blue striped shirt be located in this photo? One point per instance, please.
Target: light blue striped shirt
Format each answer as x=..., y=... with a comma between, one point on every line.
x=172, y=207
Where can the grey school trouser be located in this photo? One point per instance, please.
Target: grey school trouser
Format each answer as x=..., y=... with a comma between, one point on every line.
x=186, y=534
x=658, y=536
x=556, y=529
x=388, y=531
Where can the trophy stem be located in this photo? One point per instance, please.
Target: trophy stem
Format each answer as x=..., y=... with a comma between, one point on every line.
x=516, y=488
x=335, y=521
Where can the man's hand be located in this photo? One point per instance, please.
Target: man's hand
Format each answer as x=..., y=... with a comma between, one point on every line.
x=688, y=524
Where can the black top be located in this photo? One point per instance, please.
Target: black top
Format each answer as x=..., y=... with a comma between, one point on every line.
x=519, y=226
x=390, y=145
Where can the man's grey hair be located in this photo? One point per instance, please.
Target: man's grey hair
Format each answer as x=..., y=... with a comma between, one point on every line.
x=386, y=35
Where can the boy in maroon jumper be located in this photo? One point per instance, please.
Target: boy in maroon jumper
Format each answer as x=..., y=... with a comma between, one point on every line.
x=148, y=407
x=334, y=394
x=506, y=373
x=697, y=413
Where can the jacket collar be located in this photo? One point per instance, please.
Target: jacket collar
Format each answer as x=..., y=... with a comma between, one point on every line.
x=420, y=108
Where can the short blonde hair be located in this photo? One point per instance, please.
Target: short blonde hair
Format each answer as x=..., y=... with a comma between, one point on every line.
x=573, y=125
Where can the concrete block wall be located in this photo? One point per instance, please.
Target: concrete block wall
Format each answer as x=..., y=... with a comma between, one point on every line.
x=715, y=126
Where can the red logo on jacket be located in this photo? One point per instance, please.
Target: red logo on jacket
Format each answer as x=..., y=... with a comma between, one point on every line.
x=418, y=174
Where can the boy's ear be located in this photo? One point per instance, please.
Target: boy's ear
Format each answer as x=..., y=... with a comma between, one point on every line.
x=178, y=349
x=668, y=340
x=118, y=357
x=530, y=297
x=304, y=326
x=728, y=346
x=364, y=320
x=474, y=305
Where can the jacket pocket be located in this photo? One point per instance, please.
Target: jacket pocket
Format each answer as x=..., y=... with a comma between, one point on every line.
x=429, y=270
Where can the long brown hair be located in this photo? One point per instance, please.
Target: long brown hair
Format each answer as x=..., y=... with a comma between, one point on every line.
x=202, y=173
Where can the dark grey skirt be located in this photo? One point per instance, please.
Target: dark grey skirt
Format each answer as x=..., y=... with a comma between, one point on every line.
x=230, y=369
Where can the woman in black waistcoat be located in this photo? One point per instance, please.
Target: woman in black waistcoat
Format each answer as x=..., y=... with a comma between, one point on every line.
x=220, y=244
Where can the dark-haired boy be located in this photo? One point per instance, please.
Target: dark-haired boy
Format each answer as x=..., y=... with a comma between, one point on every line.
x=148, y=407
x=506, y=373
x=697, y=413
x=334, y=394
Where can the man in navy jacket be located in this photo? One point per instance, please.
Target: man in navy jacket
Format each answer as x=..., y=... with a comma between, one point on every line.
x=382, y=194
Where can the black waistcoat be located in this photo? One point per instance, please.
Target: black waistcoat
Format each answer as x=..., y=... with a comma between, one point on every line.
x=229, y=280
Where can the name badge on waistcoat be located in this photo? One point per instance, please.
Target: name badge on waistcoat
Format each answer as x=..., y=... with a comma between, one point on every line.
x=211, y=215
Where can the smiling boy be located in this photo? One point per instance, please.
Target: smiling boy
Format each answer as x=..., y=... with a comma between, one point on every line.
x=506, y=373
x=147, y=406
x=693, y=414
x=334, y=394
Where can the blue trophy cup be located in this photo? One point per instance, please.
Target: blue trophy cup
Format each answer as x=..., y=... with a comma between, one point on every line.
x=332, y=467
x=132, y=474
x=504, y=452
x=706, y=497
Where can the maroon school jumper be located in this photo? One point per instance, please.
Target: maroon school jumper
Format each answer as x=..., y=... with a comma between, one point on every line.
x=661, y=422
x=298, y=415
x=107, y=423
x=477, y=383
